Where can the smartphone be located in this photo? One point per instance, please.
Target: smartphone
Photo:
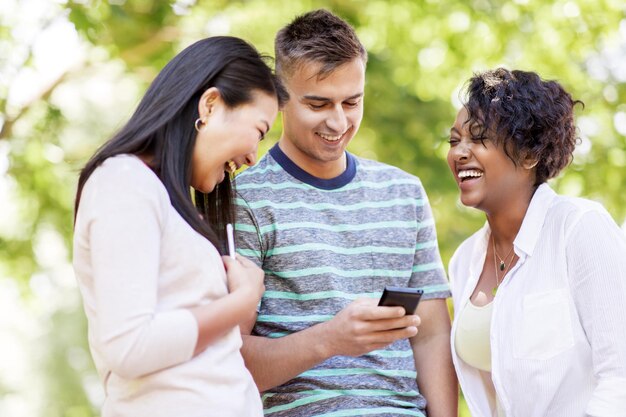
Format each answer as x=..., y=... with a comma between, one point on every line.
x=401, y=296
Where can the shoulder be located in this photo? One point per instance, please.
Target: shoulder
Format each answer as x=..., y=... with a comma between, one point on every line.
x=571, y=211
x=123, y=180
x=379, y=172
x=124, y=171
x=263, y=181
x=383, y=170
x=566, y=204
x=266, y=169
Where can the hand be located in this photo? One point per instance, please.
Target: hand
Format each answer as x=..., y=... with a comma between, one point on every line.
x=363, y=326
x=243, y=275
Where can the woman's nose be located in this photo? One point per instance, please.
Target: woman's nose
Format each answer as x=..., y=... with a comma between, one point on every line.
x=461, y=151
x=250, y=159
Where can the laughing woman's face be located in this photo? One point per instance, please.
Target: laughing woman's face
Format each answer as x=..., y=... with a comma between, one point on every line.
x=485, y=175
x=229, y=138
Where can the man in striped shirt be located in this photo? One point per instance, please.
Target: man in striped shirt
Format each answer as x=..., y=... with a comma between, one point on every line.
x=331, y=230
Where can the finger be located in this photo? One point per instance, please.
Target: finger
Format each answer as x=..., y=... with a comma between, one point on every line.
x=227, y=260
x=366, y=301
x=390, y=336
x=375, y=312
x=394, y=323
x=244, y=261
x=231, y=264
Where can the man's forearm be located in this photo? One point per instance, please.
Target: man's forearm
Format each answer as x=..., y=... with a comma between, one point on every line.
x=274, y=361
x=357, y=329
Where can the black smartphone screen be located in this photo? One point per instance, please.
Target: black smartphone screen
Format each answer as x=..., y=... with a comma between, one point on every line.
x=400, y=296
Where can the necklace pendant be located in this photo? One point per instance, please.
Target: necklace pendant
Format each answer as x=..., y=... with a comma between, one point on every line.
x=494, y=291
x=502, y=265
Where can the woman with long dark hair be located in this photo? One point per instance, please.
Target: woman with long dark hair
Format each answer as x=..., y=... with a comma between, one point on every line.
x=539, y=291
x=163, y=307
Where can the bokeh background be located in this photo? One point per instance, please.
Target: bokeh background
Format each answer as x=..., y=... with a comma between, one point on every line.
x=71, y=73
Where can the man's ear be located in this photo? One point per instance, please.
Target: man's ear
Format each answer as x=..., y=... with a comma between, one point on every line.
x=209, y=99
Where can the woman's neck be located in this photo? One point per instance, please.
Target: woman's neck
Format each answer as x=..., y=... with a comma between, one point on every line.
x=505, y=221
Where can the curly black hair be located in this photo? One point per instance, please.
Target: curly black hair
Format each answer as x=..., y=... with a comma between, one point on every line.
x=530, y=117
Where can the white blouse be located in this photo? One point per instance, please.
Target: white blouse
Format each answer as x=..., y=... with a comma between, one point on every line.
x=558, y=332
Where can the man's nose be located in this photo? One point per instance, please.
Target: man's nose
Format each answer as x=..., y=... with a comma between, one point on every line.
x=338, y=121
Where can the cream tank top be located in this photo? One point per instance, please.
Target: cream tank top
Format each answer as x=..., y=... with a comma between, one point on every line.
x=472, y=340
x=472, y=344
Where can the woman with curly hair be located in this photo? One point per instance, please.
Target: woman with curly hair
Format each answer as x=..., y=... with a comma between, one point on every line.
x=539, y=291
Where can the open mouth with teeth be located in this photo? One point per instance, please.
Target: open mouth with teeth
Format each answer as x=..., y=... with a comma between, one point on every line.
x=330, y=138
x=230, y=167
x=469, y=174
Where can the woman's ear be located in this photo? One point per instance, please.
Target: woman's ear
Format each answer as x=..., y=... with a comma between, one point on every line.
x=529, y=162
x=209, y=99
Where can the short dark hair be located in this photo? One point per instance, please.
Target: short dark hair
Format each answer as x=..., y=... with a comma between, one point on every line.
x=162, y=126
x=528, y=116
x=317, y=36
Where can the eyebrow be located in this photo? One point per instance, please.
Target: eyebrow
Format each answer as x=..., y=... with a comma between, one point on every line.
x=320, y=98
x=454, y=130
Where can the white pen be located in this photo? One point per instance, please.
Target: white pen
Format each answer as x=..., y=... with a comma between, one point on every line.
x=231, y=240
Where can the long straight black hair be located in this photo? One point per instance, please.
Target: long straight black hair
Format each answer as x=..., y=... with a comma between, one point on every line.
x=162, y=127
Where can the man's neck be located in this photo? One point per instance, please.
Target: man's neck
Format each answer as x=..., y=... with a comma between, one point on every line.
x=319, y=169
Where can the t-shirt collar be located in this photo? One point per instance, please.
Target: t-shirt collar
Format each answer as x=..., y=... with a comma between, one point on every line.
x=326, y=184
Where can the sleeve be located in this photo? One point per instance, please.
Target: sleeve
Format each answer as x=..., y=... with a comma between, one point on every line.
x=134, y=337
x=248, y=237
x=596, y=258
x=428, y=272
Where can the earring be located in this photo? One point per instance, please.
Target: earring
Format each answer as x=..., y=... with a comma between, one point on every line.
x=200, y=122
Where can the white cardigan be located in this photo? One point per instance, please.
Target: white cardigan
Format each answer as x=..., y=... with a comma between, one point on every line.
x=140, y=267
x=558, y=333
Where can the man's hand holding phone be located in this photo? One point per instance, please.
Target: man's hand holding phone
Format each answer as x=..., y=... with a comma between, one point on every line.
x=364, y=326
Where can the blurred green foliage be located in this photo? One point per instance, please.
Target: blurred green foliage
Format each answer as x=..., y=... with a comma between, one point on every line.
x=420, y=54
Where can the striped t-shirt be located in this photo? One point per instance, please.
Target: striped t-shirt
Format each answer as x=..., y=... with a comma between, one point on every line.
x=323, y=243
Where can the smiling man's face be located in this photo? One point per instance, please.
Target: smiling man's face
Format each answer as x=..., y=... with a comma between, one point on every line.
x=322, y=116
